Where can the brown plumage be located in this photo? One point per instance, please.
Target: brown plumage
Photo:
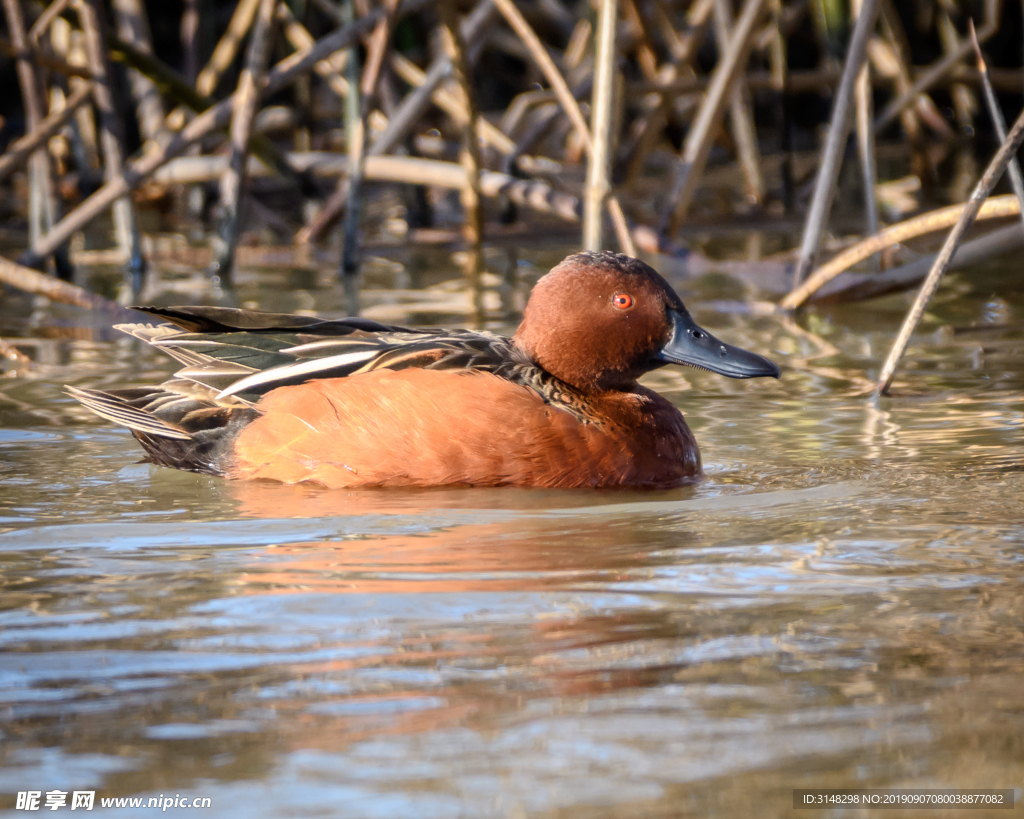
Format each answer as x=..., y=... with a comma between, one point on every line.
x=355, y=403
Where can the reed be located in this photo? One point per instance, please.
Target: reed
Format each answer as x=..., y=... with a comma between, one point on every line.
x=654, y=108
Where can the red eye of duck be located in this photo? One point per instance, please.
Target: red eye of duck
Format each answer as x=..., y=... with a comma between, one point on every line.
x=622, y=300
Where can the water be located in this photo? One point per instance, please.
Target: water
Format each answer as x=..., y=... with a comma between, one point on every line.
x=838, y=604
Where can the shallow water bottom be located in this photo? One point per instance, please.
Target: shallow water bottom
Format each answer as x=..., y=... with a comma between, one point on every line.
x=839, y=603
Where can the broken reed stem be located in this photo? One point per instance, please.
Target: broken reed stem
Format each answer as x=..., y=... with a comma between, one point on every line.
x=996, y=113
x=835, y=143
x=599, y=164
x=569, y=104
x=90, y=13
x=699, y=139
x=988, y=180
x=866, y=140
x=936, y=72
x=32, y=281
x=233, y=182
x=17, y=153
x=530, y=193
x=998, y=207
x=741, y=115
x=999, y=242
x=213, y=118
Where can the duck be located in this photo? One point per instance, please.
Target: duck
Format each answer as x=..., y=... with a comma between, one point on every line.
x=348, y=403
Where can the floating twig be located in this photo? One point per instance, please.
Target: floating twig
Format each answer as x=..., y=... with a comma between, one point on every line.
x=860, y=286
x=988, y=180
x=998, y=207
x=32, y=281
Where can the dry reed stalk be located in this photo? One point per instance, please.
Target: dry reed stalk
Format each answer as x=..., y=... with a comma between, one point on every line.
x=43, y=203
x=246, y=99
x=741, y=114
x=402, y=121
x=213, y=118
x=133, y=28
x=939, y=69
x=189, y=33
x=540, y=56
x=534, y=194
x=698, y=142
x=965, y=104
x=981, y=191
x=226, y=50
x=996, y=113
x=599, y=165
x=299, y=38
x=350, y=251
x=90, y=13
x=998, y=207
x=11, y=353
x=42, y=60
x=32, y=281
x=19, y=150
x=683, y=49
x=999, y=242
x=46, y=19
x=469, y=153
x=452, y=104
x=405, y=118
x=835, y=143
x=866, y=140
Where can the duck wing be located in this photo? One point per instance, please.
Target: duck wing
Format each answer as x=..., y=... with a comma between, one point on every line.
x=244, y=354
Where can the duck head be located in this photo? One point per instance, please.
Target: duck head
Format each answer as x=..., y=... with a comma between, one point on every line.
x=598, y=321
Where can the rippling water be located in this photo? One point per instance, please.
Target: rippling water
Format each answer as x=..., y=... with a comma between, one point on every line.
x=838, y=604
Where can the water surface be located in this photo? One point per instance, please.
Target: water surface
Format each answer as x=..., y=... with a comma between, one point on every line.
x=839, y=603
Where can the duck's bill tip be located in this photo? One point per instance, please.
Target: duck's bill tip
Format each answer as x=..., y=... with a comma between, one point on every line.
x=692, y=345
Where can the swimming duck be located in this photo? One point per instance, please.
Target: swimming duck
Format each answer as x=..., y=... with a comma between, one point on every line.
x=353, y=402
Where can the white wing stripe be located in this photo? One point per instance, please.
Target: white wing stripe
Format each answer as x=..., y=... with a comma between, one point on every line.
x=292, y=370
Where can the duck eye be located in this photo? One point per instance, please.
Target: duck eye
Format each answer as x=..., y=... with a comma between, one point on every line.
x=622, y=300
